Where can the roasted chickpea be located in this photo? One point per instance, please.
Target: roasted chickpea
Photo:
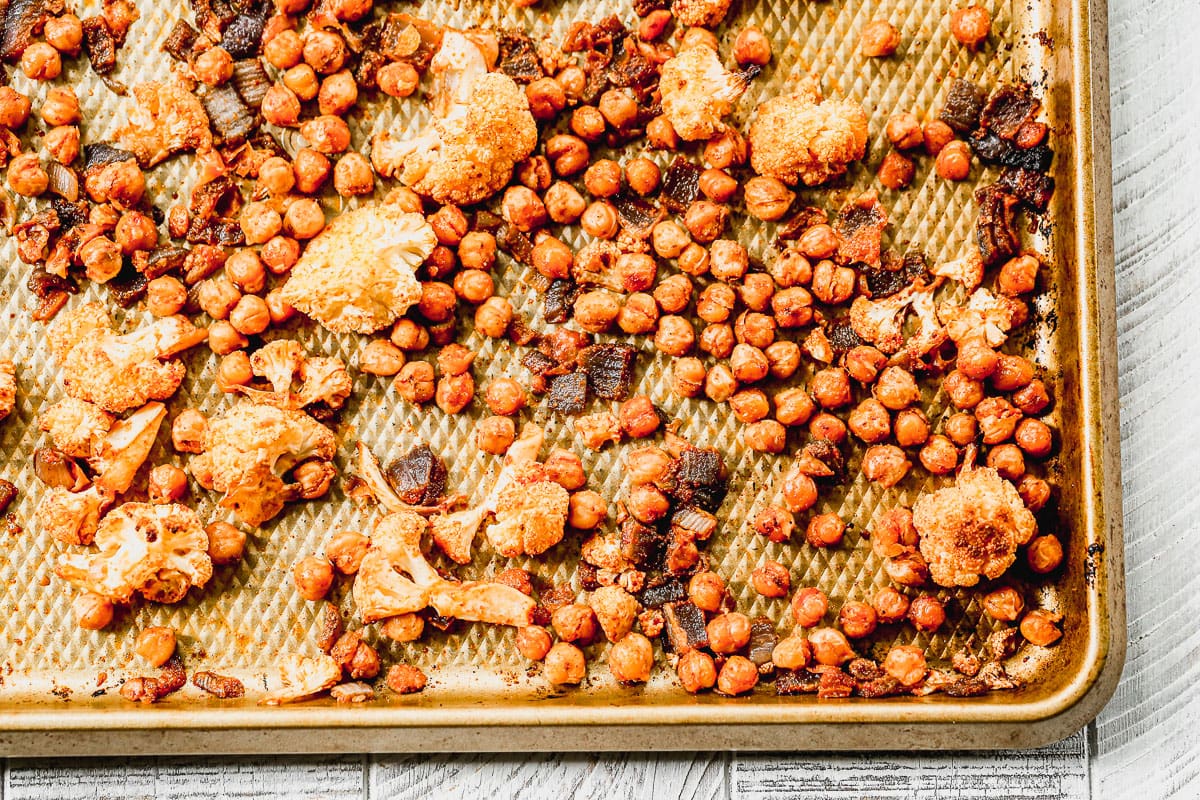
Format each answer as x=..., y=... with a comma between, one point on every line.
x=716, y=303
x=939, y=455
x=504, y=396
x=771, y=579
x=405, y=679
x=893, y=533
x=890, y=605
x=165, y=296
x=587, y=510
x=534, y=642
x=477, y=251
x=167, y=484
x=870, y=421
x=727, y=149
x=588, y=123
x=64, y=33
x=688, y=376
x=830, y=647
x=964, y=392
x=885, y=464
x=1011, y=372
x=313, y=577
x=381, y=357
x=904, y=131
x=311, y=169
x=14, y=108
x=926, y=613
x=674, y=294
x=564, y=664
x=675, y=336
x=631, y=659
x=647, y=504
x=717, y=185
x=575, y=622
x=751, y=405
x=135, y=231
x=26, y=176
x=751, y=47
x=878, y=39
x=617, y=107
x=1033, y=398
x=971, y=26
x=188, y=430
x=567, y=154
x=857, y=620
x=728, y=260
x=284, y=50
x=794, y=406
x=961, y=428
x=765, y=436
x=830, y=387
x=346, y=550
x=280, y=310
x=697, y=671
x=564, y=204
x=896, y=170
x=600, y=220
x=1008, y=460
x=639, y=314
x=1018, y=275
x=101, y=259
x=595, y=311
x=573, y=80
x=638, y=417
x=603, y=178
x=954, y=161
x=61, y=107
x=1041, y=627
x=213, y=67
x=661, y=135
x=738, y=675
x=828, y=427
x=907, y=569
x=492, y=318
x=705, y=220
x=1035, y=493
x=406, y=628
x=767, y=198
x=1004, y=604
x=41, y=62
x=259, y=222
x=911, y=427
x=250, y=316
x=825, y=530
x=694, y=259
x=784, y=359
x=832, y=284
x=245, y=269
x=748, y=364
x=280, y=254
x=495, y=434
x=352, y=175
x=642, y=175
x=757, y=291
x=62, y=143
x=324, y=51
x=415, y=382
x=234, y=371
x=223, y=338
x=1044, y=554
x=906, y=663
x=155, y=645
x=566, y=469
x=997, y=419
x=93, y=612
x=808, y=607
x=936, y=135
x=398, y=79
x=546, y=98
x=799, y=491
x=728, y=633
x=706, y=590
x=1034, y=437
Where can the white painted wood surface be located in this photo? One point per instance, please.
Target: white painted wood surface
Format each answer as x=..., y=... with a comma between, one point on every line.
x=1146, y=744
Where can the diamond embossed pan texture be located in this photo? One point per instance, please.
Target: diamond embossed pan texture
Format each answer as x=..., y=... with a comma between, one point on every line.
x=58, y=683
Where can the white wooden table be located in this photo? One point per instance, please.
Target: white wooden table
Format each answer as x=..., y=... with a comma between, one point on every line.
x=1146, y=744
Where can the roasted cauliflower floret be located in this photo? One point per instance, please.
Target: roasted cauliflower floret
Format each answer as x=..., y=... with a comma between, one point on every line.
x=159, y=551
x=531, y=514
x=120, y=372
x=250, y=448
x=967, y=270
x=359, y=273
x=697, y=91
x=166, y=119
x=121, y=453
x=984, y=318
x=8, y=387
x=301, y=677
x=616, y=610
x=881, y=322
x=973, y=528
x=396, y=579
x=929, y=333
x=72, y=517
x=800, y=137
x=76, y=427
x=481, y=129
x=705, y=13
x=322, y=378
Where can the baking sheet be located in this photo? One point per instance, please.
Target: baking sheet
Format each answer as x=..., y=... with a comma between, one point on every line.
x=59, y=677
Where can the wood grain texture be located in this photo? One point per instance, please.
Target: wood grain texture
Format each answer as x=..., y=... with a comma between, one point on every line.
x=1144, y=746
x=1148, y=738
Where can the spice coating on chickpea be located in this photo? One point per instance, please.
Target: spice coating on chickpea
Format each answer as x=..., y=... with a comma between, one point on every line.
x=313, y=577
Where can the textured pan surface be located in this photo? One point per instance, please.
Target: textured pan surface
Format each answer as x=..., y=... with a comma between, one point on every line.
x=250, y=614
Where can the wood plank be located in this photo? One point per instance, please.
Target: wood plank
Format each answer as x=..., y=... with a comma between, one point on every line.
x=1058, y=772
x=549, y=777
x=223, y=778
x=1148, y=737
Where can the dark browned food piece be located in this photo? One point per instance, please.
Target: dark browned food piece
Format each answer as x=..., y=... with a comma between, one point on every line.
x=128, y=287
x=995, y=230
x=966, y=687
x=62, y=181
x=518, y=56
x=644, y=7
x=696, y=478
x=251, y=81
x=99, y=44
x=681, y=185
x=515, y=243
x=963, y=105
x=564, y=347
x=585, y=35
x=685, y=627
x=331, y=627
x=8, y=493
x=101, y=154
x=629, y=68
x=419, y=477
x=990, y=148
x=21, y=18
x=222, y=686
x=212, y=16
x=1032, y=188
x=589, y=576
x=801, y=221
x=797, y=681
x=568, y=393
x=609, y=369
x=861, y=223
x=882, y=686
x=150, y=690
x=230, y=118
x=664, y=591
x=45, y=284
x=163, y=260
x=69, y=214
x=559, y=301
x=405, y=679
x=56, y=469
x=1007, y=108
x=762, y=644
x=821, y=458
x=540, y=364
x=179, y=42
x=243, y=36
x=842, y=337
x=1003, y=643
x=835, y=683
x=640, y=543
x=637, y=215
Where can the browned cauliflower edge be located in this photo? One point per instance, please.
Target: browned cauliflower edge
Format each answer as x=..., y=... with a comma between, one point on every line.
x=697, y=92
x=801, y=137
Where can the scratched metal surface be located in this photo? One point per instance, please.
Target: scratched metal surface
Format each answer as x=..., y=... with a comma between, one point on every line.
x=250, y=613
